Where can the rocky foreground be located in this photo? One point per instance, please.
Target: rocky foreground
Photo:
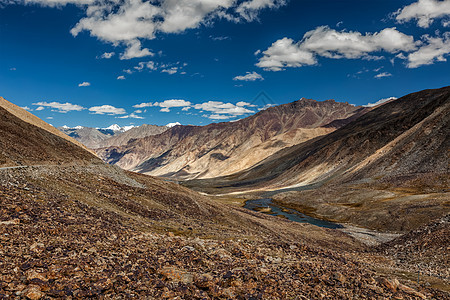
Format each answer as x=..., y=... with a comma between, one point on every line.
x=57, y=246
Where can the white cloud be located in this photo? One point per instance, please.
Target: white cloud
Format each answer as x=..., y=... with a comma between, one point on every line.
x=27, y=108
x=327, y=42
x=384, y=74
x=170, y=71
x=249, y=10
x=221, y=108
x=143, y=105
x=13, y=69
x=84, y=84
x=60, y=107
x=134, y=50
x=242, y=103
x=285, y=53
x=49, y=118
x=107, y=109
x=249, y=77
x=434, y=50
x=381, y=101
x=40, y=108
x=166, y=105
x=219, y=38
x=131, y=116
x=424, y=12
x=107, y=55
x=121, y=77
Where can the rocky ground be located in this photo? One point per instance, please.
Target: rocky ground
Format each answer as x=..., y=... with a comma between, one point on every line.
x=94, y=237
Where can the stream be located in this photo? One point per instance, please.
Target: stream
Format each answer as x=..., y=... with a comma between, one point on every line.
x=266, y=205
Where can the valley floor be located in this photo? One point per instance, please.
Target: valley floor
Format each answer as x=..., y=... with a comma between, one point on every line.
x=106, y=233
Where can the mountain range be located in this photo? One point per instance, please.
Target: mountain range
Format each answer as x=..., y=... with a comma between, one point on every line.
x=113, y=135
x=188, y=152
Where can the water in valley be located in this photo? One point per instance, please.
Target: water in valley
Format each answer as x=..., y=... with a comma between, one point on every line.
x=267, y=206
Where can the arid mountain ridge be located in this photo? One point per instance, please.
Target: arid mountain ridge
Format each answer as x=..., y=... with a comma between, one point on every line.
x=186, y=152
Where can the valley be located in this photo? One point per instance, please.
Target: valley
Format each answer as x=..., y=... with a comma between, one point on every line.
x=349, y=205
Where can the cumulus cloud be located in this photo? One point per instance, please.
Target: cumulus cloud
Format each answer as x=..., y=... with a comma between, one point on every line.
x=107, y=110
x=170, y=71
x=107, y=55
x=285, y=53
x=84, y=84
x=381, y=101
x=121, y=77
x=166, y=105
x=143, y=105
x=40, y=108
x=327, y=42
x=384, y=74
x=131, y=116
x=434, y=50
x=221, y=110
x=129, y=22
x=249, y=10
x=135, y=50
x=424, y=12
x=218, y=109
x=60, y=107
x=249, y=76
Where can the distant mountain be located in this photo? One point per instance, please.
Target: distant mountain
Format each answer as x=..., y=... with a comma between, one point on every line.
x=90, y=137
x=405, y=138
x=113, y=135
x=123, y=138
x=225, y=148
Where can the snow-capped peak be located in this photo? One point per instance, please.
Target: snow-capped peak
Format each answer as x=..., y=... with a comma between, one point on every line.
x=170, y=125
x=76, y=127
x=117, y=128
x=113, y=127
x=126, y=128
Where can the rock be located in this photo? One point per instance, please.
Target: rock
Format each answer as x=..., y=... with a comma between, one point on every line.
x=339, y=277
x=177, y=275
x=10, y=222
x=33, y=293
x=390, y=285
x=32, y=274
x=411, y=291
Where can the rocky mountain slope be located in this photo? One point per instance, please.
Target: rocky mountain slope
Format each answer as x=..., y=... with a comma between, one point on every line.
x=29, y=118
x=226, y=148
x=39, y=142
x=406, y=137
x=84, y=229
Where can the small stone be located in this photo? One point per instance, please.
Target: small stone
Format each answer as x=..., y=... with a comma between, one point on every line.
x=177, y=275
x=34, y=293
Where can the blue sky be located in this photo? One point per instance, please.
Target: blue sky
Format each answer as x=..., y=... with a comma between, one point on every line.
x=99, y=62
